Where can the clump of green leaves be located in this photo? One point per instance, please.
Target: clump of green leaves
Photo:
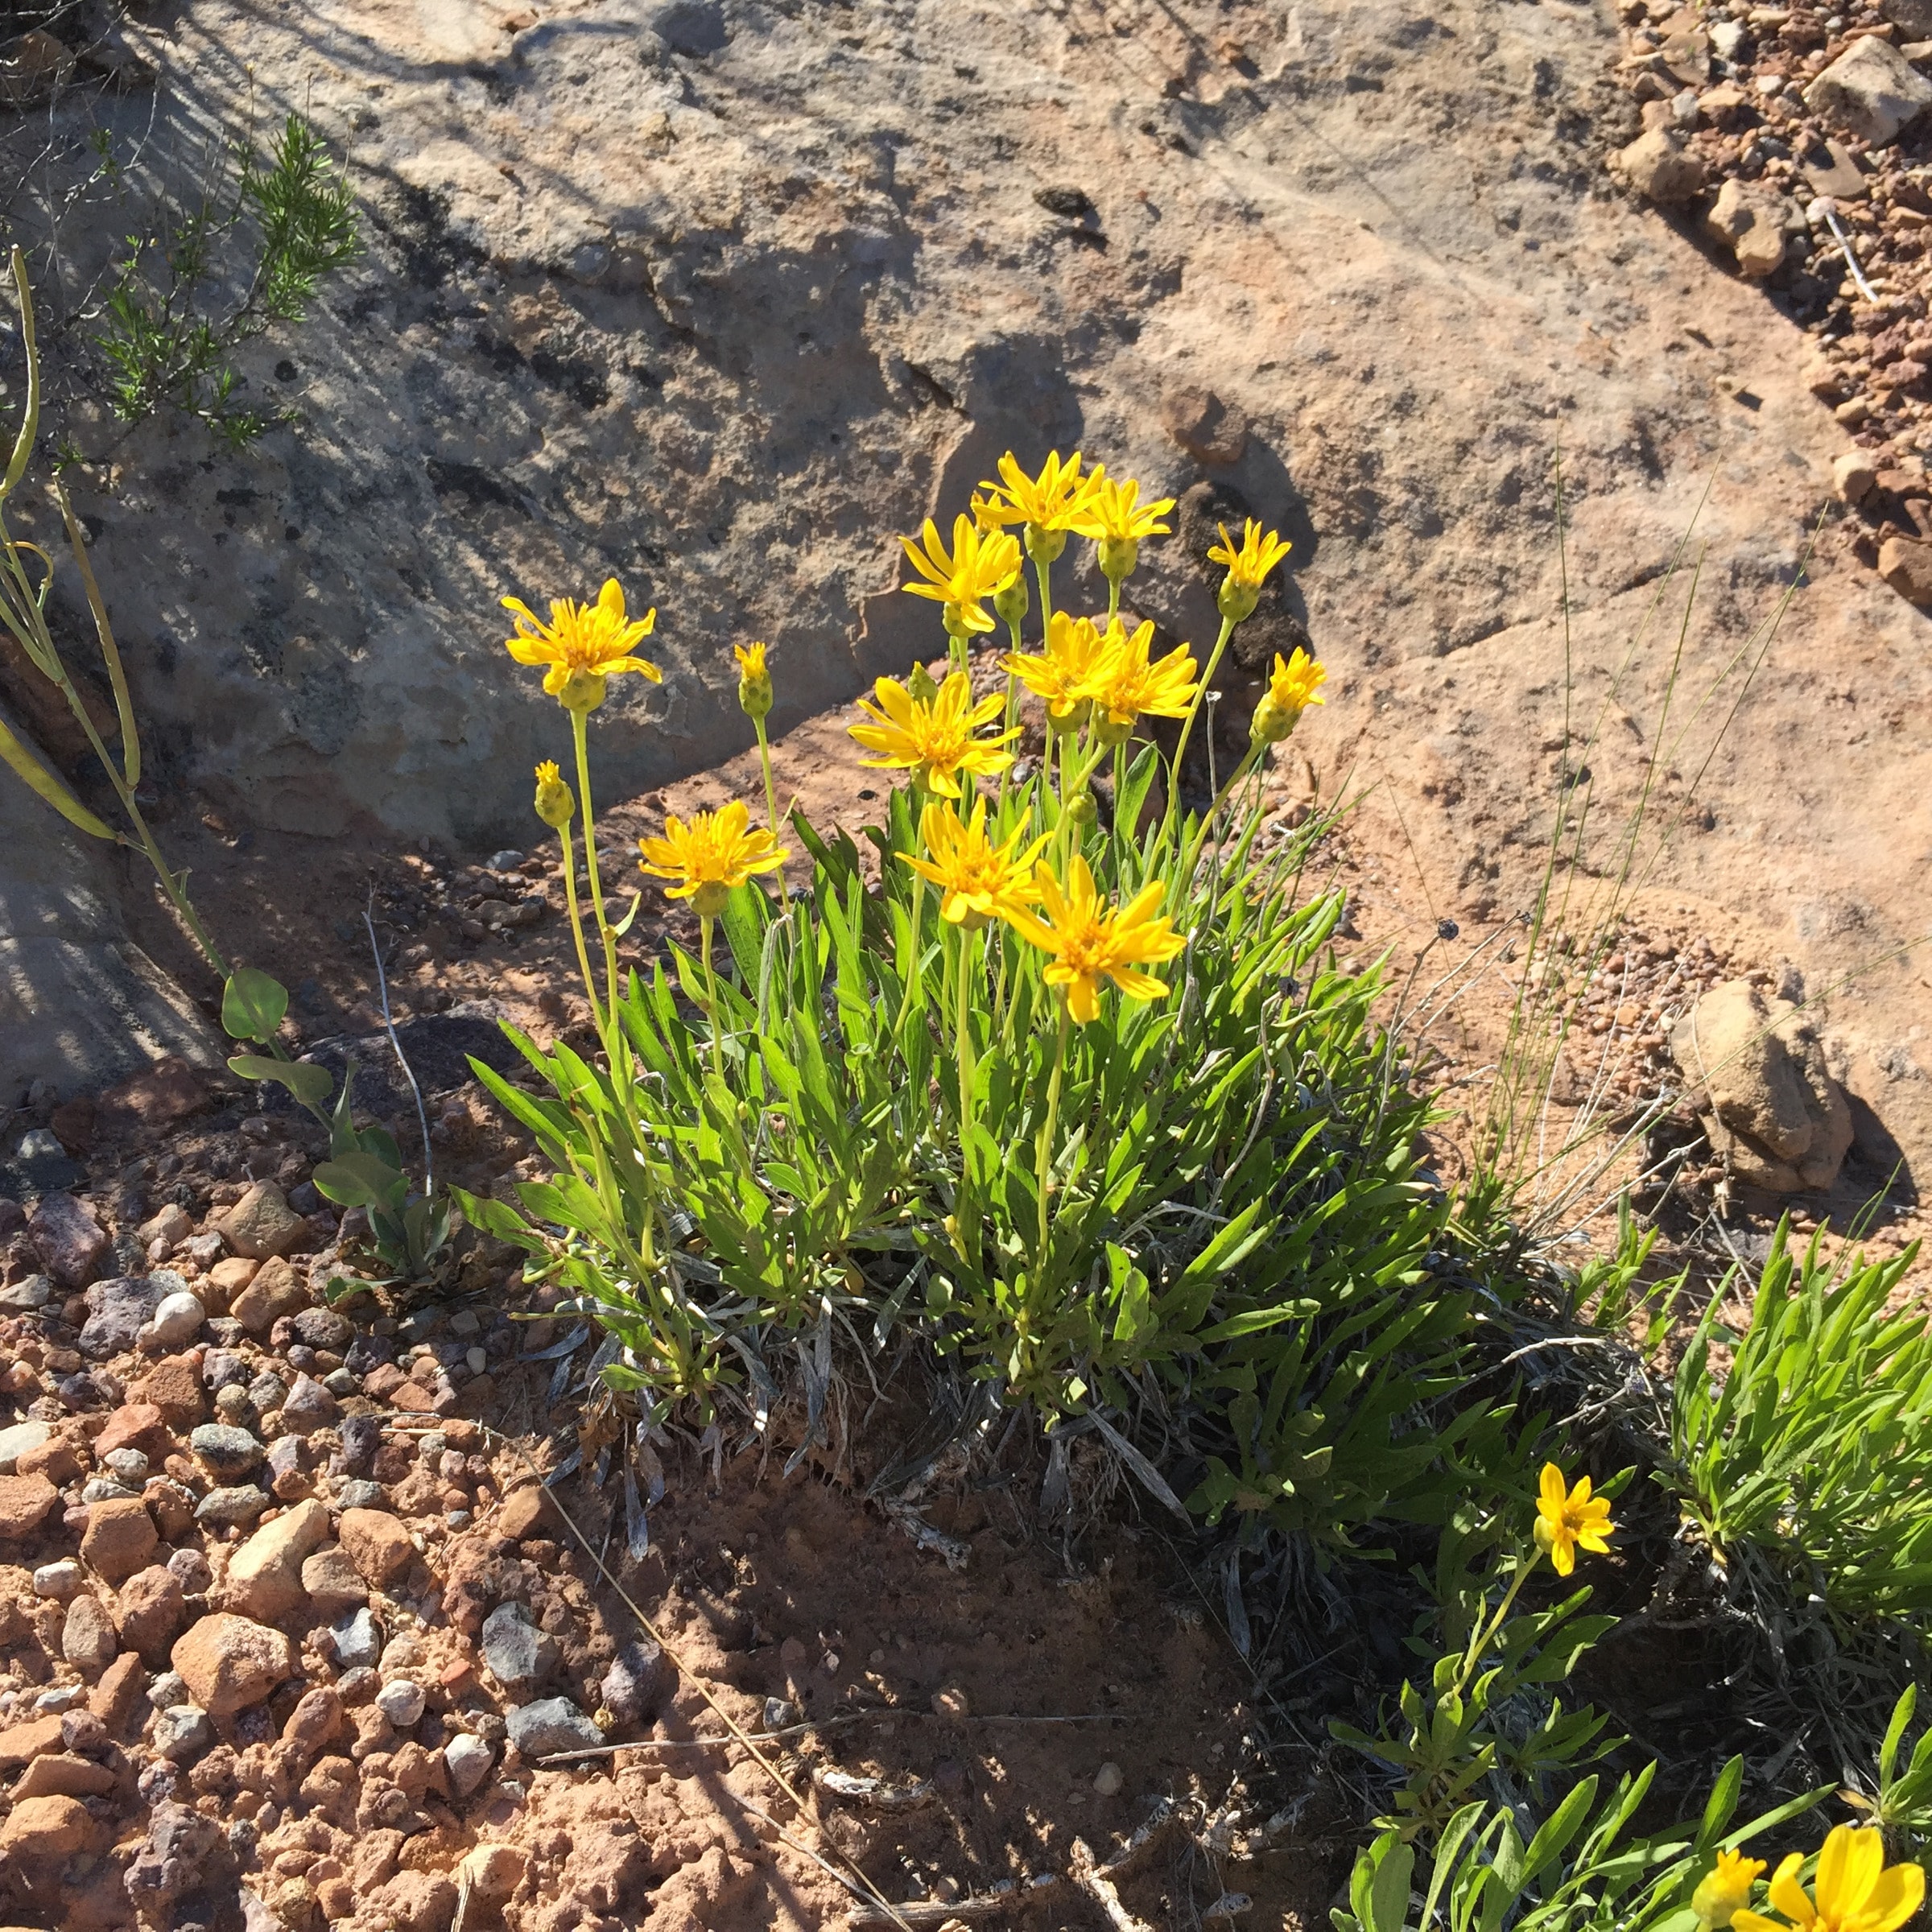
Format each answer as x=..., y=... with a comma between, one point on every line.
x=249, y=257
x=1581, y=1869
x=1815, y=1446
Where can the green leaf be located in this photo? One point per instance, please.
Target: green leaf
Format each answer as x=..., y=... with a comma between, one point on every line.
x=310, y=1085
x=253, y=1004
x=361, y=1180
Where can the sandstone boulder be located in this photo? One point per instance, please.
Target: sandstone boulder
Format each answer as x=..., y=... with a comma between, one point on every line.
x=1760, y=1084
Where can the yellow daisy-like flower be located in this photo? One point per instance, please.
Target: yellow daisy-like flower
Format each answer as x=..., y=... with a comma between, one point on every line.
x=978, y=880
x=717, y=851
x=1856, y=1890
x=754, y=680
x=1073, y=651
x=1090, y=944
x=935, y=740
x=1567, y=1520
x=1248, y=567
x=583, y=644
x=1125, y=685
x=1295, y=685
x=1116, y=520
x=980, y=564
x=1725, y=1889
x=1050, y=505
x=555, y=802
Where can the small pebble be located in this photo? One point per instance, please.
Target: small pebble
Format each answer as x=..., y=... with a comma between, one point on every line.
x=105, y=1489
x=175, y=1322
x=168, y=1689
x=61, y=1581
x=190, y=1569
x=63, y=1697
x=125, y=1466
x=181, y=1731
x=468, y=1759
x=402, y=1702
x=1108, y=1780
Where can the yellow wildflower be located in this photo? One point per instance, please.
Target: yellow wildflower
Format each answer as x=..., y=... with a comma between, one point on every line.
x=1567, y=1520
x=754, y=680
x=1073, y=650
x=978, y=880
x=1295, y=685
x=980, y=563
x=717, y=851
x=1248, y=567
x=1116, y=520
x=1124, y=685
x=935, y=740
x=583, y=644
x=555, y=805
x=1856, y=1890
x=1050, y=505
x=1725, y=1889
x=1090, y=944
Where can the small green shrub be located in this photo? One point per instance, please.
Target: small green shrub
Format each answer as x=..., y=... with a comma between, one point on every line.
x=909, y=1094
x=174, y=314
x=1814, y=1446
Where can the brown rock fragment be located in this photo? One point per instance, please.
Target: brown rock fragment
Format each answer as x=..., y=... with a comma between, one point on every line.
x=46, y=1831
x=229, y=1662
x=262, y=1224
x=119, y=1538
x=24, y=1502
x=150, y=1610
x=173, y=1385
x=376, y=1543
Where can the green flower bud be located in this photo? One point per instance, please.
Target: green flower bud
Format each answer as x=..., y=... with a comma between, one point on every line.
x=1118, y=556
x=583, y=690
x=556, y=803
x=1082, y=809
x=1044, y=546
x=1236, y=601
x=1012, y=603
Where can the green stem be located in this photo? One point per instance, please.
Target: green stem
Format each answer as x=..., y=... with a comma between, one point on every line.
x=1200, y=838
x=1013, y=690
x=771, y=794
x=1487, y=1636
x=705, y=923
x=576, y=932
x=1200, y=693
x=1043, y=1154
x=591, y=862
x=1113, y=599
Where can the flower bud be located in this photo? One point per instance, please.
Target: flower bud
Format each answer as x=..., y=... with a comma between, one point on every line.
x=1012, y=603
x=555, y=804
x=1044, y=546
x=1073, y=720
x=1272, y=721
x=1118, y=556
x=583, y=690
x=1111, y=731
x=1082, y=810
x=710, y=899
x=754, y=681
x=1236, y=601
x=920, y=687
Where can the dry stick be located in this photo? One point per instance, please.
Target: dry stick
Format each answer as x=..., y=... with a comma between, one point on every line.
x=864, y=1887
x=1092, y=1880
x=887, y=1714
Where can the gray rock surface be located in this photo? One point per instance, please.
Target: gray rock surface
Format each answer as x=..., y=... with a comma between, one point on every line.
x=1870, y=90
x=519, y=1655
x=16, y=1440
x=638, y=1682
x=223, y=1450
x=554, y=1724
x=118, y=1311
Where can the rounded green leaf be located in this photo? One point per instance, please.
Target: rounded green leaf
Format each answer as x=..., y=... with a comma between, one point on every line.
x=361, y=1180
x=310, y=1085
x=252, y=1003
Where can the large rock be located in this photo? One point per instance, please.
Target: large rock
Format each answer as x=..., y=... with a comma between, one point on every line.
x=1656, y=165
x=118, y=1311
x=376, y=1543
x=262, y=1224
x=1870, y=90
x=229, y=1662
x=265, y=1576
x=150, y=1611
x=43, y=1832
x=519, y=1654
x=24, y=1502
x=66, y=1236
x=1759, y=1081
x=119, y=1538
x=273, y=1291
x=81, y=1005
x=554, y=1724
x=1750, y=223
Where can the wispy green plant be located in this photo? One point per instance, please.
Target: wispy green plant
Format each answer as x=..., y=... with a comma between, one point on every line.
x=365, y=1168
x=1815, y=1446
x=248, y=258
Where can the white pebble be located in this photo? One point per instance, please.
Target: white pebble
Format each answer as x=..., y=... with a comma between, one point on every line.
x=401, y=1702
x=177, y=1320
x=477, y=1360
x=468, y=1759
x=1107, y=1780
x=61, y=1581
